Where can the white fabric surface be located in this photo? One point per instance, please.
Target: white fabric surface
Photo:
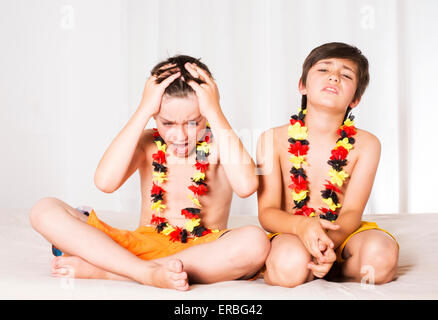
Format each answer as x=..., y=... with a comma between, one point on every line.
x=25, y=267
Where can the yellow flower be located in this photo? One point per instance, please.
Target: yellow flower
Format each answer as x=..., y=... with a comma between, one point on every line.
x=198, y=176
x=159, y=176
x=161, y=146
x=158, y=206
x=312, y=214
x=190, y=225
x=168, y=230
x=203, y=146
x=195, y=200
x=297, y=132
x=344, y=143
x=297, y=161
x=331, y=204
x=215, y=230
x=337, y=177
x=348, y=123
x=299, y=196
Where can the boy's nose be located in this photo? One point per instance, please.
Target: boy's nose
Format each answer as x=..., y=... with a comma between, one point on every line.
x=334, y=77
x=180, y=134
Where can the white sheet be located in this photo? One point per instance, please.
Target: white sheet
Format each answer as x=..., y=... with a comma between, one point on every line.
x=25, y=267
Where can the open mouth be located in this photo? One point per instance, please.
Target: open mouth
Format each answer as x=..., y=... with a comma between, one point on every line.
x=332, y=90
x=181, y=147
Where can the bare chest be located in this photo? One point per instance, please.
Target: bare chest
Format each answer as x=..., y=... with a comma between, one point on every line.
x=316, y=169
x=178, y=196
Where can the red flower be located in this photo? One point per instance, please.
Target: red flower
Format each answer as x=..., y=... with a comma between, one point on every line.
x=157, y=220
x=349, y=130
x=198, y=190
x=159, y=157
x=207, y=137
x=340, y=153
x=293, y=121
x=206, y=231
x=331, y=186
x=201, y=166
x=175, y=235
x=298, y=184
x=155, y=133
x=188, y=214
x=325, y=211
x=304, y=211
x=298, y=149
x=156, y=189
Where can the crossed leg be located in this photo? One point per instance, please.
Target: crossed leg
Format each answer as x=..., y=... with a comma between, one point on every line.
x=220, y=260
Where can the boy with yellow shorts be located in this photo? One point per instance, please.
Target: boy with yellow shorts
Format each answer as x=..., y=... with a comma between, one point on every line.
x=317, y=175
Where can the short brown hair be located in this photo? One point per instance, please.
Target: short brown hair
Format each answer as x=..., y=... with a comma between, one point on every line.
x=342, y=51
x=179, y=87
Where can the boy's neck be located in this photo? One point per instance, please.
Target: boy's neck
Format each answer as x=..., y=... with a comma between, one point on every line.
x=320, y=121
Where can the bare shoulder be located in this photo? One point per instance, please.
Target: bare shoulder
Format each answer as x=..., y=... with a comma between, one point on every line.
x=367, y=143
x=273, y=135
x=146, y=139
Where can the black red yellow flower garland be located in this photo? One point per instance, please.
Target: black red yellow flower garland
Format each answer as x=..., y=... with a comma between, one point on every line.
x=299, y=145
x=193, y=226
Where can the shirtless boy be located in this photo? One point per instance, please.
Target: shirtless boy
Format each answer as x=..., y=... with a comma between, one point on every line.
x=186, y=189
x=318, y=177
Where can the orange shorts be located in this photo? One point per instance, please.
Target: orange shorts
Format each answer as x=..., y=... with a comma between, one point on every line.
x=145, y=242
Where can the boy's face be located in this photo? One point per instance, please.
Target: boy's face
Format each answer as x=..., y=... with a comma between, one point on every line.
x=180, y=124
x=331, y=83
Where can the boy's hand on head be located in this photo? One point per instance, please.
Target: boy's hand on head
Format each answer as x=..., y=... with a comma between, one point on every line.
x=207, y=93
x=314, y=237
x=153, y=92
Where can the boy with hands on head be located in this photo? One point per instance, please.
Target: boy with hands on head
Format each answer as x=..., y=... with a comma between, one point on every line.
x=182, y=235
x=315, y=185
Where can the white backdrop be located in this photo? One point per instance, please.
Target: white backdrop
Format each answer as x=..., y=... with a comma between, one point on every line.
x=72, y=73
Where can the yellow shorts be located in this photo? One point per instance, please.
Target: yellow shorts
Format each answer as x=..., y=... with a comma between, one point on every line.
x=145, y=242
x=365, y=225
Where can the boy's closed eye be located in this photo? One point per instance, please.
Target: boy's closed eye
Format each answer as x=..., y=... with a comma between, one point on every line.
x=344, y=74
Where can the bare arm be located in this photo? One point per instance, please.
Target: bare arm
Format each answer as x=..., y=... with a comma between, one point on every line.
x=272, y=218
x=126, y=151
x=358, y=190
x=238, y=165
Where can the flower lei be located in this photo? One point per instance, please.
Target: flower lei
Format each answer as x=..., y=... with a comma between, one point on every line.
x=298, y=147
x=199, y=188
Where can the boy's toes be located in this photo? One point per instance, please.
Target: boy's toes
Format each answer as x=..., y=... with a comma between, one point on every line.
x=181, y=285
x=175, y=265
x=179, y=276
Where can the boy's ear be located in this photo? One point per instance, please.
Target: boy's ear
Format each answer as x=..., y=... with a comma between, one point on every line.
x=302, y=87
x=354, y=103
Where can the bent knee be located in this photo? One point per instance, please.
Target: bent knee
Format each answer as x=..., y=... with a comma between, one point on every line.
x=381, y=260
x=288, y=267
x=42, y=211
x=253, y=246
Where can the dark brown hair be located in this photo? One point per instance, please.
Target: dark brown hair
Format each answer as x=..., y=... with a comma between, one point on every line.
x=342, y=51
x=179, y=87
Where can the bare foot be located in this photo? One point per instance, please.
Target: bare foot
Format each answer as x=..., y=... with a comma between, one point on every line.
x=169, y=274
x=75, y=267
